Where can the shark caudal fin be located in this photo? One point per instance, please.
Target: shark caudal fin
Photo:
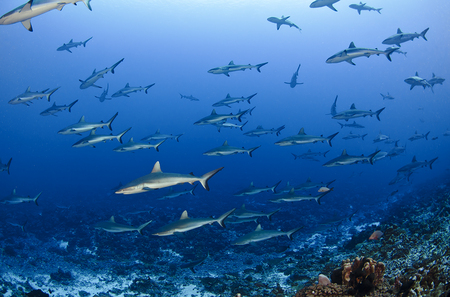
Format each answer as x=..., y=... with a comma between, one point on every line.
x=432, y=161
x=84, y=43
x=388, y=53
x=292, y=232
x=329, y=138
x=205, y=177
x=36, y=198
x=372, y=156
x=275, y=186
x=258, y=66
x=88, y=4
x=71, y=105
x=279, y=130
x=222, y=218
x=295, y=156
x=377, y=113
x=325, y=154
x=321, y=195
x=119, y=137
x=423, y=33
x=250, y=97
x=158, y=144
x=148, y=87
x=240, y=114
x=426, y=135
x=108, y=124
x=115, y=65
x=192, y=190
x=50, y=93
x=250, y=151
x=362, y=136
x=243, y=125
x=178, y=136
x=269, y=216
x=142, y=227
x=8, y=165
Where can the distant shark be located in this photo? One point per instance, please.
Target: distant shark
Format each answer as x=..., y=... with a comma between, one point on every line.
x=416, y=80
x=93, y=139
x=96, y=75
x=127, y=90
x=259, y=235
x=243, y=213
x=418, y=136
x=104, y=94
x=261, y=131
x=25, y=12
x=71, y=44
x=226, y=150
x=252, y=190
x=293, y=197
x=158, y=136
x=401, y=37
x=363, y=6
x=322, y=3
x=27, y=96
x=55, y=108
x=158, y=179
x=282, y=21
x=216, y=118
x=352, y=125
x=5, y=167
x=111, y=226
x=193, y=264
x=133, y=146
x=396, y=150
x=388, y=96
x=173, y=194
x=190, y=97
x=83, y=126
x=303, y=138
x=353, y=112
x=293, y=81
x=231, y=67
x=346, y=159
x=353, y=52
x=414, y=165
x=230, y=100
x=221, y=125
x=13, y=198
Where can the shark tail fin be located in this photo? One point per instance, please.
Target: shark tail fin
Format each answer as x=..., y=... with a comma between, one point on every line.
x=119, y=137
x=329, y=138
x=205, y=177
x=240, y=114
x=295, y=156
x=250, y=97
x=362, y=136
x=71, y=105
x=148, y=87
x=8, y=165
x=269, y=216
x=292, y=232
x=423, y=33
x=431, y=162
x=50, y=93
x=88, y=4
x=222, y=218
x=116, y=64
x=279, y=130
x=275, y=186
x=258, y=66
x=250, y=151
x=426, y=135
x=323, y=194
x=158, y=144
x=342, y=125
x=243, y=125
x=84, y=43
x=377, y=113
x=371, y=156
x=388, y=53
x=108, y=124
x=36, y=198
x=143, y=226
x=178, y=136
x=379, y=10
x=192, y=190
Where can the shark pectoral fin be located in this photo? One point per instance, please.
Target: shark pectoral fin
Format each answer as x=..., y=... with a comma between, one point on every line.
x=278, y=26
x=68, y=50
x=332, y=7
x=350, y=62
x=96, y=86
x=27, y=25
x=226, y=73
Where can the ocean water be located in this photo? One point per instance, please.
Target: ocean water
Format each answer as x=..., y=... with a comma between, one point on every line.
x=173, y=44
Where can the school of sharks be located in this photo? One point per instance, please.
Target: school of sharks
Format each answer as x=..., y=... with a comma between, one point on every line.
x=261, y=152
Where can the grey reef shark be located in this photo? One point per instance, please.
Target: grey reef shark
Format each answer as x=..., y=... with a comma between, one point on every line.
x=259, y=235
x=294, y=77
x=111, y=226
x=362, y=6
x=56, y=108
x=13, y=198
x=322, y=3
x=71, y=44
x=96, y=75
x=27, y=96
x=231, y=67
x=401, y=37
x=303, y=138
x=353, y=52
x=252, y=190
x=282, y=21
x=226, y=150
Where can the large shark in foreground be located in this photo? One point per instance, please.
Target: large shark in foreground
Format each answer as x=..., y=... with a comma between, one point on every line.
x=322, y=3
x=25, y=12
x=259, y=235
x=401, y=37
x=111, y=226
x=353, y=52
x=226, y=150
x=363, y=6
x=231, y=67
x=185, y=224
x=5, y=167
x=71, y=43
x=282, y=21
x=252, y=190
x=96, y=75
x=303, y=138
x=27, y=96
x=83, y=126
x=158, y=179
x=13, y=198
x=346, y=159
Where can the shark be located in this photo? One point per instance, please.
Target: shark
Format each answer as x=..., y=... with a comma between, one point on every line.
x=133, y=146
x=27, y=96
x=241, y=221
x=352, y=125
x=93, y=139
x=230, y=100
x=243, y=213
x=216, y=118
x=293, y=197
x=158, y=136
x=346, y=159
x=362, y=6
x=388, y=96
x=71, y=44
x=55, y=108
x=282, y=21
x=252, y=190
x=303, y=138
x=191, y=265
x=401, y=37
x=221, y=125
x=415, y=165
x=398, y=51
x=293, y=81
x=190, y=97
x=353, y=52
x=111, y=226
x=22, y=227
x=158, y=179
x=354, y=136
x=400, y=176
x=261, y=131
x=25, y=12
x=104, y=94
x=5, y=167
x=380, y=138
x=416, y=80
x=83, y=126
x=418, y=136
x=231, y=67
x=173, y=194
x=127, y=90
x=353, y=112
x=259, y=235
x=185, y=224
x=311, y=185
x=322, y=3
x=96, y=75
x=308, y=154
x=396, y=150
x=435, y=80
x=226, y=150
x=13, y=198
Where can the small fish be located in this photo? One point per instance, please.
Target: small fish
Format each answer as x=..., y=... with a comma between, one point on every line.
x=325, y=189
x=376, y=235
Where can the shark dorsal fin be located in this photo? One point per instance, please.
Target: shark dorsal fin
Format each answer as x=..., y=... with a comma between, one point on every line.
x=434, y=75
x=354, y=122
x=54, y=104
x=156, y=167
x=111, y=219
x=157, y=132
x=71, y=41
x=309, y=150
x=213, y=112
x=92, y=132
x=291, y=192
x=353, y=106
x=352, y=45
x=258, y=228
x=231, y=63
x=225, y=143
x=399, y=31
x=251, y=184
x=81, y=120
x=131, y=139
x=27, y=90
x=287, y=184
x=344, y=153
x=184, y=215
x=14, y=192
x=127, y=85
x=308, y=180
x=415, y=132
x=285, y=18
x=228, y=95
x=93, y=72
x=243, y=206
x=259, y=127
x=414, y=159
x=302, y=131
x=351, y=132
x=417, y=73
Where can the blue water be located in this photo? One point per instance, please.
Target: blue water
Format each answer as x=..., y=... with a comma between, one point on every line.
x=173, y=44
